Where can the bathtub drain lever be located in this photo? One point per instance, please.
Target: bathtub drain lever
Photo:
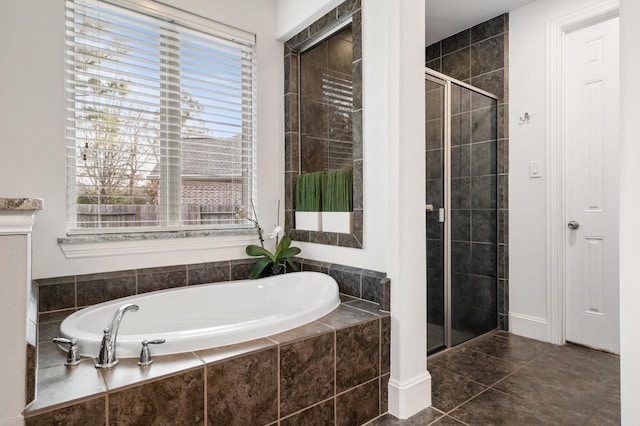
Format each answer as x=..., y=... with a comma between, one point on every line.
x=145, y=356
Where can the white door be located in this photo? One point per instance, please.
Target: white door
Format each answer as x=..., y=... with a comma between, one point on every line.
x=592, y=199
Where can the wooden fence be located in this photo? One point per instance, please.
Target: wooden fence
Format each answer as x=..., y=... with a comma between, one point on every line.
x=133, y=215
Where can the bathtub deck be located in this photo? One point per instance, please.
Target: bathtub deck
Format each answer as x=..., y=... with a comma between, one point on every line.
x=336, y=366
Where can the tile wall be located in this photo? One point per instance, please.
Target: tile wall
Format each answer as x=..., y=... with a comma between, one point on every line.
x=479, y=56
x=344, y=130
x=332, y=371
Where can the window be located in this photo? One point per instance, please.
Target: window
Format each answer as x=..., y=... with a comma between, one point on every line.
x=160, y=118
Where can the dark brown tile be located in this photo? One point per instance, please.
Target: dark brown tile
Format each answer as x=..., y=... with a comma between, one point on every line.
x=345, y=316
x=492, y=82
x=424, y=417
x=48, y=330
x=432, y=52
x=457, y=64
x=204, y=273
x=32, y=365
x=98, y=288
x=91, y=412
x=490, y=28
x=244, y=390
x=518, y=351
x=128, y=372
x=306, y=373
x=60, y=384
x=487, y=55
x=476, y=366
x=224, y=353
x=161, y=402
x=319, y=415
x=365, y=305
x=240, y=268
x=456, y=42
x=357, y=354
x=557, y=385
x=152, y=279
x=384, y=393
x=303, y=332
x=57, y=296
x=358, y=405
x=372, y=285
x=385, y=344
x=447, y=421
x=450, y=390
x=348, y=278
x=493, y=407
x=315, y=266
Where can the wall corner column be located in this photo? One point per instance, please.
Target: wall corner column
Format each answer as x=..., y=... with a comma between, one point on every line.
x=403, y=25
x=17, y=216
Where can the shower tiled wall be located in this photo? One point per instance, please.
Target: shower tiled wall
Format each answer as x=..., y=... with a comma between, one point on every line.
x=479, y=56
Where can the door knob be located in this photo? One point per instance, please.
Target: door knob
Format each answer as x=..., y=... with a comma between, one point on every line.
x=573, y=225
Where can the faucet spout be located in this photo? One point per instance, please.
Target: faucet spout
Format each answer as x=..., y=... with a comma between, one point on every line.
x=107, y=355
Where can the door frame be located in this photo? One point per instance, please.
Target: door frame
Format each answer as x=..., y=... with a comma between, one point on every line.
x=557, y=30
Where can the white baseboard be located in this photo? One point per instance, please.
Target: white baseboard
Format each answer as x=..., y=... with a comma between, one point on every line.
x=409, y=397
x=529, y=326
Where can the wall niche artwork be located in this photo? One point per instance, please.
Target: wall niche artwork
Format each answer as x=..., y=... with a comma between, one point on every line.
x=323, y=125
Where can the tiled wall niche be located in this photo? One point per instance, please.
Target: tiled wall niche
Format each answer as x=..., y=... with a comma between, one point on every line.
x=479, y=56
x=349, y=9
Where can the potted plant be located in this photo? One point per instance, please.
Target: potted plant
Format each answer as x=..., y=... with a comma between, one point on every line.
x=337, y=201
x=276, y=261
x=309, y=201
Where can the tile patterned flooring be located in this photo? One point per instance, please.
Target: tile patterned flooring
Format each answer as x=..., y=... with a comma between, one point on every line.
x=504, y=379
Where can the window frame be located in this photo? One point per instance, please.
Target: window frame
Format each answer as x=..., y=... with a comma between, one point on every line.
x=172, y=221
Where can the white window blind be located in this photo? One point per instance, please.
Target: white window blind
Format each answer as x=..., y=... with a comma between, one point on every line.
x=160, y=108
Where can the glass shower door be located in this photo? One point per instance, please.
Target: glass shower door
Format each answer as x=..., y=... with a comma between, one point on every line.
x=461, y=211
x=473, y=213
x=435, y=144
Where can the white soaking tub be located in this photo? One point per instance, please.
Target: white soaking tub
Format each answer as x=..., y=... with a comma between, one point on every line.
x=207, y=315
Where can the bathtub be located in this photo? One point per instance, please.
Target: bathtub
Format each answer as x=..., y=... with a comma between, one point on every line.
x=207, y=315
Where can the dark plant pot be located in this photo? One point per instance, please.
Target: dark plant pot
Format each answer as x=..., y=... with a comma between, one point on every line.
x=272, y=269
x=278, y=269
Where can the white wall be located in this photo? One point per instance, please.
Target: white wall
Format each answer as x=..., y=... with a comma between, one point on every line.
x=33, y=123
x=527, y=197
x=629, y=207
x=295, y=15
x=393, y=133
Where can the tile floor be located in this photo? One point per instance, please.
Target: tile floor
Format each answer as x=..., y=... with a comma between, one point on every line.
x=504, y=379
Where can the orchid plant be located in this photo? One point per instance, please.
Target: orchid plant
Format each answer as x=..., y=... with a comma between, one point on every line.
x=278, y=259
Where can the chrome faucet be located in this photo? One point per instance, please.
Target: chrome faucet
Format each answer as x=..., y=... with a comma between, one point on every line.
x=107, y=355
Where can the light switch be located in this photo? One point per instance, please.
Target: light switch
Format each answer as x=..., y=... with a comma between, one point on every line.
x=535, y=169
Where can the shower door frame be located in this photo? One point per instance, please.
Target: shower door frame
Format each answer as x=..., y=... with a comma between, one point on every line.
x=446, y=81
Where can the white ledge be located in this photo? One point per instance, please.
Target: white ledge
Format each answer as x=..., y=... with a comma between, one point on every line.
x=14, y=222
x=93, y=247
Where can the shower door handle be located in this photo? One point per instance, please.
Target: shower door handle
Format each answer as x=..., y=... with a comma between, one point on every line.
x=428, y=207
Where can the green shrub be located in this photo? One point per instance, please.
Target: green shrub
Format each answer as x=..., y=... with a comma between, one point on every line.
x=309, y=192
x=337, y=191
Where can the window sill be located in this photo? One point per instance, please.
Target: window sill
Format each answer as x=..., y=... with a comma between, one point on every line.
x=83, y=246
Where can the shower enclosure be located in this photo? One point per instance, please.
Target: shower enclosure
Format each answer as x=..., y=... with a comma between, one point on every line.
x=461, y=211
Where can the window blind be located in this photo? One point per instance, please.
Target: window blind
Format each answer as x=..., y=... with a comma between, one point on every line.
x=161, y=112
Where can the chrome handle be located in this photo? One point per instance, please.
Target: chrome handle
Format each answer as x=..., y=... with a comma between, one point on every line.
x=573, y=225
x=73, y=357
x=145, y=356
